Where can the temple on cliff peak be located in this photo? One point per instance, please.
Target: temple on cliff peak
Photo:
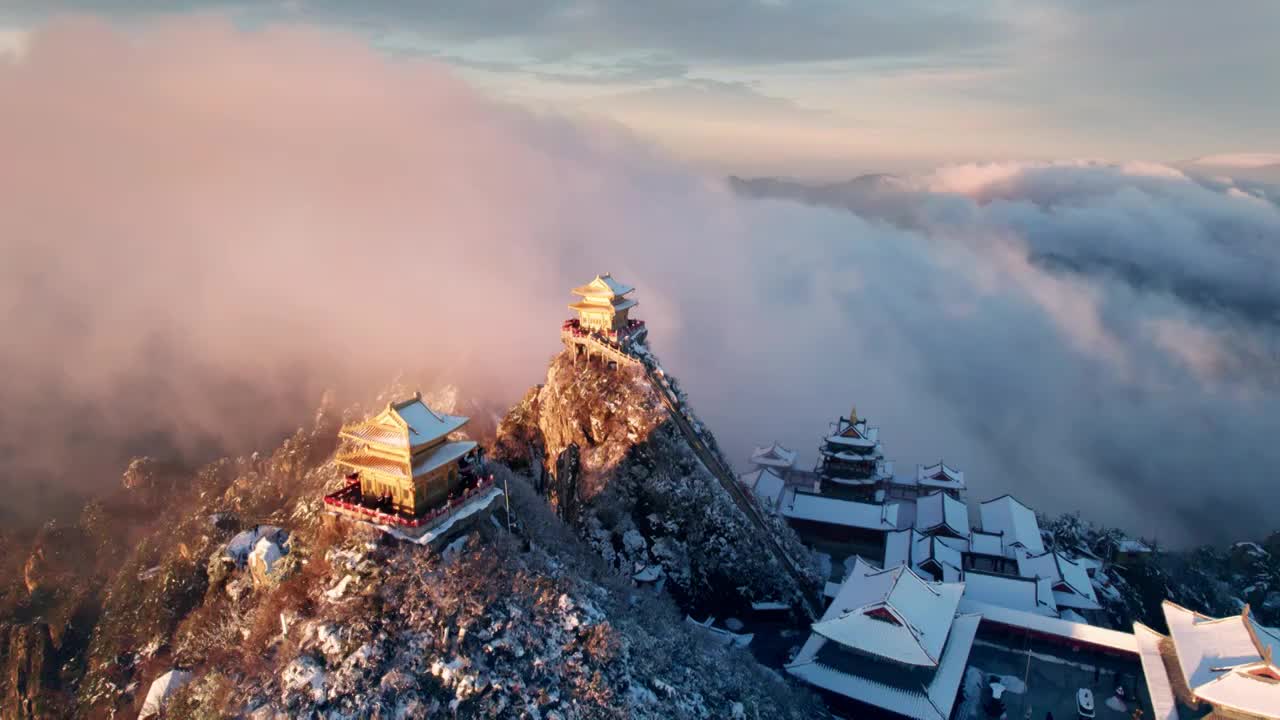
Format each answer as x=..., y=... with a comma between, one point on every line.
x=603, y=326
x=604, y=304
x=403, y=466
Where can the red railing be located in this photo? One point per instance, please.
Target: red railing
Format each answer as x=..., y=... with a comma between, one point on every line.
x=574, y=328
x=343, y=500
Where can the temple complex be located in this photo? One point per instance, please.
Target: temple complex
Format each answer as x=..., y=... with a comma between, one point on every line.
x=402, y=463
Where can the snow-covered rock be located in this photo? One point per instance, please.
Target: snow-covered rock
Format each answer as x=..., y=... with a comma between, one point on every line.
x=244, y=543
x=161, y=689
x=264, y=562
x=304, y=675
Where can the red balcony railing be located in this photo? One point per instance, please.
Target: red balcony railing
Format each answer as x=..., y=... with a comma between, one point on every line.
x=348, y=499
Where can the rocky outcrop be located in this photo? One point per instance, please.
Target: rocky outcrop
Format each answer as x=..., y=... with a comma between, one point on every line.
x=637, y=492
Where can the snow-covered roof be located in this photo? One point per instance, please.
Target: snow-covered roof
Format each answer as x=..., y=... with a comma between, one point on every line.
x=603, y=285
x=1017, y=521
x=1070, y=582
x=1129, y=545
x=984, y=543
x=774, y=455
x=854, y=434
x=897, y=692
x=897, y=547
x=767, y=484
x=405, y=424
x=616, y=305
x=1064, y=629
x=1015, y=593
x=926, y=554
x=440, y=456
x=939, y=475
x=891, y=614
x=817, y=508
x=1220, y=659
x=934, y=554
x=859, y=442
x=940, y=511
x=1159, y=688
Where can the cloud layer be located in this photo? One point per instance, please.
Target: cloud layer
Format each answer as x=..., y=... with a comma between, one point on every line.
x=206, y=226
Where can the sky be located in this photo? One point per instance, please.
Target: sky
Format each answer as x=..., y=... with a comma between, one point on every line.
x=830, y=88
x=216, y=216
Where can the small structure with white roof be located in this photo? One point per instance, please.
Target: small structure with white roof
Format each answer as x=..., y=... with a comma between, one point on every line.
x=940, y=476
x=1068, y=581
x=890, y=640
x=987, y=553
x=774, y=456
x=930, y=556
x=1015, y=522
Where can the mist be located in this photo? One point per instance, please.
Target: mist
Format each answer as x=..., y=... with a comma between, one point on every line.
x=205, y=227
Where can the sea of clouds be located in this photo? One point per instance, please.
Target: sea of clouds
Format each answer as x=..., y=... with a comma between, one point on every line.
x=205, y=227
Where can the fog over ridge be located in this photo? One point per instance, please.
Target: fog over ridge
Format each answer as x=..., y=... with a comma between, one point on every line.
x=206, y=226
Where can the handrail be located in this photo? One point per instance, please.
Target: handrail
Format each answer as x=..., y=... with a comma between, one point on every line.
x=338, y=499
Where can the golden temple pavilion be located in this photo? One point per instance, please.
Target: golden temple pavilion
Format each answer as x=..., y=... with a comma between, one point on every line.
x=403, y=458
x=604, y=305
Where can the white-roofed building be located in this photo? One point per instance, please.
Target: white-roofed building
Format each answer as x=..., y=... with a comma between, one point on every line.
x=1016, y=593
x=1229, y=664
x=890, y=640
x=767, y=484
x=1015, y=522
x=930, y=556
x=835, y=519
x=987, y=553
x=941, y=514
x=774, y=456
x=1069, y=582
x=940, y=476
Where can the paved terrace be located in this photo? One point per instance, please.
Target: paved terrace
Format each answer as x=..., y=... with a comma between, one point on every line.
x=1044, y=678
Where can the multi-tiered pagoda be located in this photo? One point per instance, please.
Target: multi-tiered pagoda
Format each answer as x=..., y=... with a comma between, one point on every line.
x=852, y=464
x=604, y=305
x=402, y=463
x=602, y=326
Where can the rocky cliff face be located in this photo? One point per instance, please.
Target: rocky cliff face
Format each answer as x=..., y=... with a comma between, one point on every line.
x=637, y=493
x=30, y=668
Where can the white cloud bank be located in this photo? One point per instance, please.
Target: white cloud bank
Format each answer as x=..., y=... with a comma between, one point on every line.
x=206, y=226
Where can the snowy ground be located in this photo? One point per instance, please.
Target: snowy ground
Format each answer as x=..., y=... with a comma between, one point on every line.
x=1046, y=681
